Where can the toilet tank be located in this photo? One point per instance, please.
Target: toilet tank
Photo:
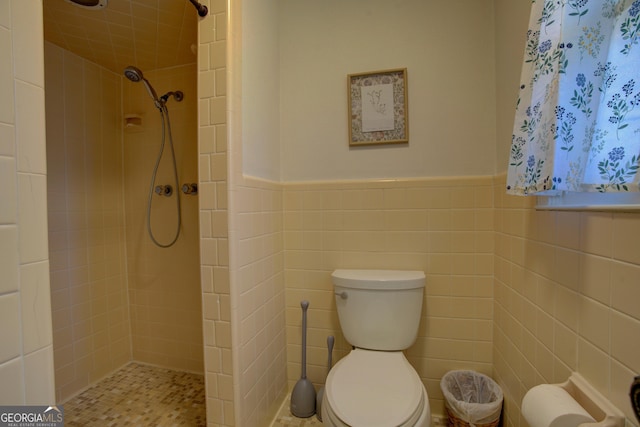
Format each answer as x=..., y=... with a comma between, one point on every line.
x=379, y=309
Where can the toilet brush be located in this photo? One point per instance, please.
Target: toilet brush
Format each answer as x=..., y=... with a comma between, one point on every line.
x=320, y=395
x=303, y=396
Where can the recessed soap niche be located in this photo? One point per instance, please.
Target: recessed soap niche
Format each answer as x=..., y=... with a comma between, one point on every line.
x=132, y=122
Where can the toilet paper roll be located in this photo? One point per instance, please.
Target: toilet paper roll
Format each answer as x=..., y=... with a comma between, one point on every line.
x=548, y=405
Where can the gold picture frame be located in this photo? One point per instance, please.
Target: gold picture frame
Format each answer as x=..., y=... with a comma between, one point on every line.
x=378, y=107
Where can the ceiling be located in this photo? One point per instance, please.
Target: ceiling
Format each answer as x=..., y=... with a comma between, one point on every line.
x=149, y=34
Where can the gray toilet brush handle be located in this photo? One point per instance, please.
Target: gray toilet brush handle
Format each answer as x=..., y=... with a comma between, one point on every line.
x=303, y=395
x=330, y=341
x=304, y=304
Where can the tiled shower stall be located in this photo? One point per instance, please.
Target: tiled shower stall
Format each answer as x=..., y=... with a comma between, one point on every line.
x=115, y=295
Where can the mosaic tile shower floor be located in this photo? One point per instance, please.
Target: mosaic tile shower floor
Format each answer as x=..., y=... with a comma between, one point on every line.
x=140, y=395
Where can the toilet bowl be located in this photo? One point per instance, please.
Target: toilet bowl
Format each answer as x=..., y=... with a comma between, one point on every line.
x=375, y=385
x=374, y=389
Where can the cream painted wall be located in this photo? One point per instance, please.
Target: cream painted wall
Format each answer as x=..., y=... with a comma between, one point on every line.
x=448, y=50
x=261, y=84
x=511, y=19
x=26, y=354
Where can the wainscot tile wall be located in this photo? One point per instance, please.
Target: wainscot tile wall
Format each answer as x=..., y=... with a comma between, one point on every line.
x=442, y=226
x=567, y=286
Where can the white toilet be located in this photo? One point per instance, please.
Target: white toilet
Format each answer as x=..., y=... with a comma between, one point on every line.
x=374, y=385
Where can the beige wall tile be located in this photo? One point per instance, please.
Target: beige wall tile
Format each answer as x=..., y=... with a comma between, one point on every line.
x=7, y=111
x=624, y=288
x=594, y=323
x=619, y=394
x=596, y=234
x=566, y=345
x=38, y=384
x=584, y=320
x=568, y=230
x=624, y=343
x=89, y=236
x=626, y=232
x=567, y=271
x=10, y=332
x=11, y=372
x=567, y=308
x=593, y=364
x=32, y=218
x=9, y=264
x=595, y=278
x=30, y=128
x=36, y=307
x=7, y=138
x=9, y=210
x=27, y=43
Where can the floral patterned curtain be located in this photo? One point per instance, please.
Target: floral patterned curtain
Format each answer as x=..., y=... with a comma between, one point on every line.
x=577, y=124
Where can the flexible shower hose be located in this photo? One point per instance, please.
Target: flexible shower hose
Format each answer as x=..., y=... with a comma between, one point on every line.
x=164, y=112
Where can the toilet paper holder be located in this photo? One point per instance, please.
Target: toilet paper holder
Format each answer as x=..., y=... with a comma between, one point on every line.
x=599, y=407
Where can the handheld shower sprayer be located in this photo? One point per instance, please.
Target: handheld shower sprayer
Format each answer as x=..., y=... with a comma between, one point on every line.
x=135, y=75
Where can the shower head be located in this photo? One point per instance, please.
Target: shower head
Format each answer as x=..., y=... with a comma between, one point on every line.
x=89, y=4
x=132, y=73
x=135, y=75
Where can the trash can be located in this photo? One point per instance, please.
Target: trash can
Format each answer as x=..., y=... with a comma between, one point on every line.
x=471, y=399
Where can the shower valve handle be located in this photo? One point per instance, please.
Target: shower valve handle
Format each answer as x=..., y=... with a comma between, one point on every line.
x=164, y=190
x=190, y=189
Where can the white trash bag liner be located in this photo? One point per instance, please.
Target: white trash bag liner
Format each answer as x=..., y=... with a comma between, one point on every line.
x=472, y=397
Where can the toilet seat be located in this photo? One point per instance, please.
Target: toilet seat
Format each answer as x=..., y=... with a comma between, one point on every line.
x=375, y=388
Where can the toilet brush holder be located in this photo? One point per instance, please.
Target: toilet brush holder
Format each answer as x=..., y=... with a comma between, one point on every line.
x=320, y=395
x=303, y=396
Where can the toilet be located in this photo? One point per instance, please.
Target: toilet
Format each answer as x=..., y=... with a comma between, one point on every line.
x=374, y=385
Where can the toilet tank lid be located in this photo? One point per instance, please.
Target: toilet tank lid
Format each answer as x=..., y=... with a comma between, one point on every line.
x=379, y=279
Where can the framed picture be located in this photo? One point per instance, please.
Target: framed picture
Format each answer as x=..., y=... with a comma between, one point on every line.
x=378, y=107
